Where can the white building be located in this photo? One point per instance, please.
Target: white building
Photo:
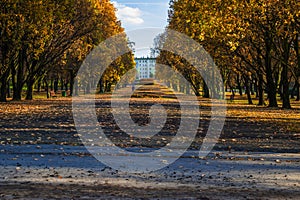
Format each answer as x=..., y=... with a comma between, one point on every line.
x=145, y=67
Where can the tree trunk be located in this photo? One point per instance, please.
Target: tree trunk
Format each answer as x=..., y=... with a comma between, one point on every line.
x=294, y=91
x=260, y=90
x=29, y=92
x=188, y=89
x=88, y=88
x=298, y=91
x=238, y=80
x=195, y=88
x=285, y=81
x=39, y=84
x=256, y=88
x=8, y=89
x=205, y=90
x=47, y=88
x=175, y=87
x=101, y=86
x=3, y=92
x=17, y=81
x=56, y=85
x=271, y=93
x=297, y=50
x=62, y=84
x=71, y=87
x=76, y=87
x=107, y=86
x=51, y=84
x=168, y=84
x=252, y=87
x=248, y=92
x=232, y=91
x=3, y=88
x=18, y=76
x=66, y=85
x=271, y=86
x=17, y=92
x=280, y=92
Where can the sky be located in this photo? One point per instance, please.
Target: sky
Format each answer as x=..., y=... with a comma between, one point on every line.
x=142, y=20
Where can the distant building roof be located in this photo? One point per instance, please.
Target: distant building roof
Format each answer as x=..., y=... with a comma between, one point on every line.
x=143, y=58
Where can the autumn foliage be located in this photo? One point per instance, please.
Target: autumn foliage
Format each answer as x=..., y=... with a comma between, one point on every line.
x=43, y=43
x=255, y=44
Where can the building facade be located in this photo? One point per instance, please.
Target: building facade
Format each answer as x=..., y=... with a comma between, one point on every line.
x=145, y=67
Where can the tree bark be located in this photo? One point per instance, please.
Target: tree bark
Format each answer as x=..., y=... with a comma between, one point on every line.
x=101, y=86
x=18, y=77
x=252, y=87
x=88, y=88
x=271, y=87
x=298, y=91
x=62, y=84
x=29, y=92
x=56, y=85
x=294, y=90
x=260, y=90
x=238, y=80
x=51, y=84
x=256, y=88
x=47, y=88
x=297, y=50
x=188, y=89
x=66, y=85
x=76, y=87
x=39, y=84
x=3, y=88
x=248, y=92
x=285, y=82
x=8, y=89
x=17, y=80
x=205, y=90
x=195, y=87
x=280, y=88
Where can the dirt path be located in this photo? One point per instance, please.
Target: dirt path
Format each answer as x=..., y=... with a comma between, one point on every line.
x=257, y=156
x=65, y=172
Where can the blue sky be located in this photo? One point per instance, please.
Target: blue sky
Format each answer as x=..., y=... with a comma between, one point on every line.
x=142, y=15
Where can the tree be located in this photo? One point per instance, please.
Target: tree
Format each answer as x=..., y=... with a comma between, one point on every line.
x=40, y=37
x=254, y=38
x=10, y=35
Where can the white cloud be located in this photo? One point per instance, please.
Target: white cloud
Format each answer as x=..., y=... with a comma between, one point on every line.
x=128, y=14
